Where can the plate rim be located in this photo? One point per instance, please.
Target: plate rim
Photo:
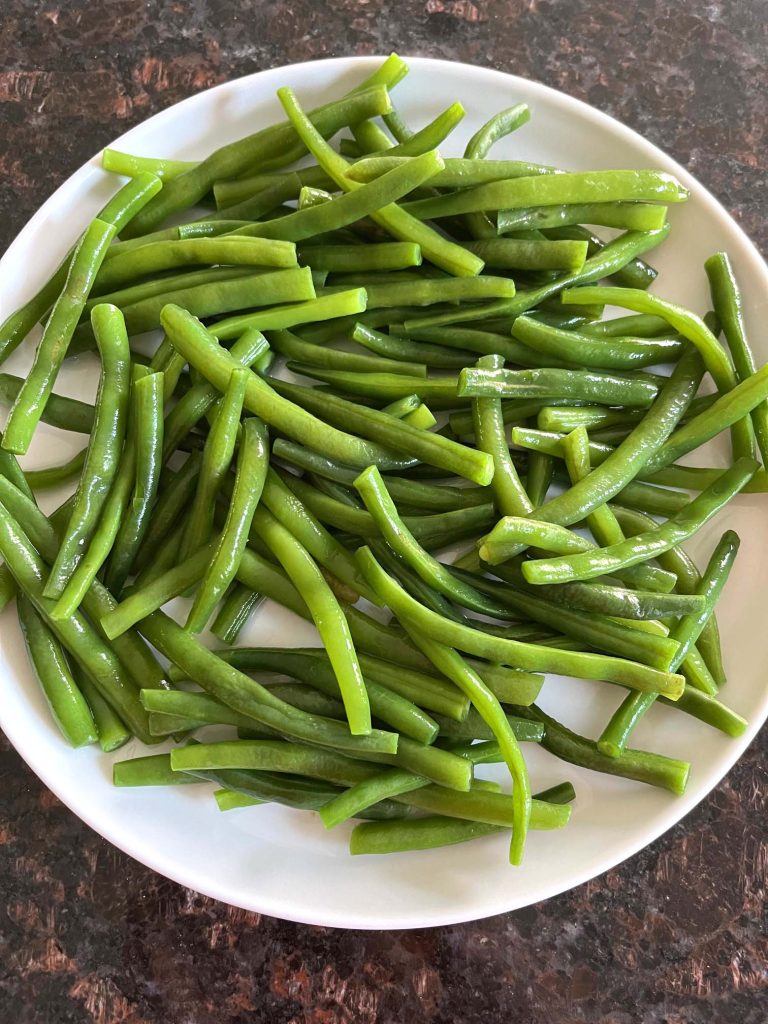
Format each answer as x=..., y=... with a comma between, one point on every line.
x=678, y=809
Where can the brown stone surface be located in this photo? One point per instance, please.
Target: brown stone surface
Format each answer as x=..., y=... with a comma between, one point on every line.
x=677, y=934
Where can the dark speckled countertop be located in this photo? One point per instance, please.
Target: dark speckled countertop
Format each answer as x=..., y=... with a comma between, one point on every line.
x=674, y=936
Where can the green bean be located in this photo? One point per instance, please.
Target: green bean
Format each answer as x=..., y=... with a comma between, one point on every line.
x=653, y=769
x=726, y=411
x=147, y=397
x=229, y=800
x=53, y=476
x=342, y=259
x=412, y=492
x=326, y=307
x=428, y=137
x=217, y=457
x=530, y=254
x=249, y=481
x=151, y=770
x=440, y=392
x=690, y=327
x=373, y=491
x=131, y=165
x=428, y=291
x=170, y=504
x=580, y=348
x=229, y=192
x=614, y=737
x=163, y=285
x=312, y=666
x=118, y=211
x=581, y=385
x=60, y=411
x=522, y=655
x=365, y=794
x=450, y=663
x=629, y=216
x=458, y=172
x=33, y=395
x=541, y=469
x=243, y=694
x=510, y=495
x=327, y=615
x=638, y=325
x=420, y=416
x=68, y=707
x=564, y=419
x=104, y=448
x=293, y=347
x=710, y=710
x=554, y=190
x=638, y=549
x=613, y=257
x=212, y=299
x=633, y=454
x=111, y=731
x=193, y=706
x=396, y=348
x=288, y=508
x=601, y=521
x=504, y=540
x=255, y=150
x=589, y=597
x=75, y=633
x=160, y=256
x=396, y=435
x=438, y=250
x=432, y=531
x=282, y=189
x=726, y=299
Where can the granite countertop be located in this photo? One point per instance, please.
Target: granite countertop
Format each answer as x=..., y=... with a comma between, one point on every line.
x=677, y=934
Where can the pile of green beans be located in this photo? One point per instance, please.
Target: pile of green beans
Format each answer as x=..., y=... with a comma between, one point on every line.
x=210, y=475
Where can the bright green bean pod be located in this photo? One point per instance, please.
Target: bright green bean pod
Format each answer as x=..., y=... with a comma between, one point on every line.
x=327, y=616
x=325, y=307
x=111, y=730
x=365, y=794
x=254, y=151
x=295, y=348
x=164, y=285
x=130, y=165
x=354, y=259
x=104, y=448
x=251, y=472
x=490, y=435
x=617, y=254
x=522, y=655
x=579, y=385
x=639, y=548
x=147, y=397
x=156, y=257
x=33, y=395
x=68, y=706
x=75, y=632
x=395, y=348
x=118, y=211
x=629, y=216
x=217, y=458
x=438, y=250
x=440, y=392
x=582, y=349
x=726, y=299
x=229, y=192
x=554, y=190
x=530, y=254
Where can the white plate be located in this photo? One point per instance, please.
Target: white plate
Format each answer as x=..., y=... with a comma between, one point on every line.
x=282, y=862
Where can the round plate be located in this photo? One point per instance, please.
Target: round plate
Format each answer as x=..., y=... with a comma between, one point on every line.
x=281, y=862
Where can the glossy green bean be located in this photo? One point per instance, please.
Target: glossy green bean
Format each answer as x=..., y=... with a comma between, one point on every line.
x=629, y=216
x=60, y=411
x=343, y=259
x=217, y=457
x=613, y=257
x=554, y=190
x=104, y=447
x=396, y=348
x=580, y=385
x=397, y=222
x=580, y=348
x=67, y=704
x=522, y=655
x=458, y=172
x=250, y=475
x=147, y=397
x=33, y=395
x=228, y=192
x=118, y=211
x=254, y=151
x=295, y=348
x=439, y=392
x=639, y=548
x=54, y=476
x=130, y=165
